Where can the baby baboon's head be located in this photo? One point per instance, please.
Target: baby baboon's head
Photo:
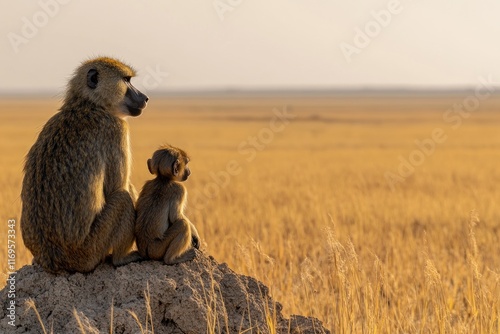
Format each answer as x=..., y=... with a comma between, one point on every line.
x=170, y=162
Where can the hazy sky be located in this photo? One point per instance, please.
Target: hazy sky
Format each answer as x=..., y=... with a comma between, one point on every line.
x=253, y=44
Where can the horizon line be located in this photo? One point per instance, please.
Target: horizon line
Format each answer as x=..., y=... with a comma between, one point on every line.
x=299, y=92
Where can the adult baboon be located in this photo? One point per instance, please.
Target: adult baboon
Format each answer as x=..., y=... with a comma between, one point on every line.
x=78, y=204
x=162, y=230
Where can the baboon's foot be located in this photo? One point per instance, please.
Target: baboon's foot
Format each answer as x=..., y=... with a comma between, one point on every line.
x=187, y=256
x=129, y=258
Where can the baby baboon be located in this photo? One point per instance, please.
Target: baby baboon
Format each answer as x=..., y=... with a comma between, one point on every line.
x=162, y=230
x=77, y=197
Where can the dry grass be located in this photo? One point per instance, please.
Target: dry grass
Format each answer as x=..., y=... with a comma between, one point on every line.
x=312, y=215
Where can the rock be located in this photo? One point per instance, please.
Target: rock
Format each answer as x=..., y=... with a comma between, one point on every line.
x=201, y=296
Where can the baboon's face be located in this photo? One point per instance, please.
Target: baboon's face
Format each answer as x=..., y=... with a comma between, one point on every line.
x=186, y=173
x=129, y=101
x=181, y=169
x=106, y=82
x=134, y=101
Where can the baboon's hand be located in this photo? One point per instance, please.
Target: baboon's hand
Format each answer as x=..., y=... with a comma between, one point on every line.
x=195, y=242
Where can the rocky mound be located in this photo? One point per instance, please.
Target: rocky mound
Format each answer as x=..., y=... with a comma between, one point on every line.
x=201, y=296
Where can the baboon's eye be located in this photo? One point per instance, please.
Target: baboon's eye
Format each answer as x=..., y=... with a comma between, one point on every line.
x=127, y=79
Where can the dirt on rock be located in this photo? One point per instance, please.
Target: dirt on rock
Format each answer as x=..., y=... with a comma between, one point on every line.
x=201, y=296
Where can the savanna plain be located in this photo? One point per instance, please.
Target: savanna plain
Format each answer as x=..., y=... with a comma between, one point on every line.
x=346, y=207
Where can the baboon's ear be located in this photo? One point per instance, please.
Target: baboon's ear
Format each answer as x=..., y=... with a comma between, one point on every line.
x=92, y=78
x=176, y=167
x=150, y=166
